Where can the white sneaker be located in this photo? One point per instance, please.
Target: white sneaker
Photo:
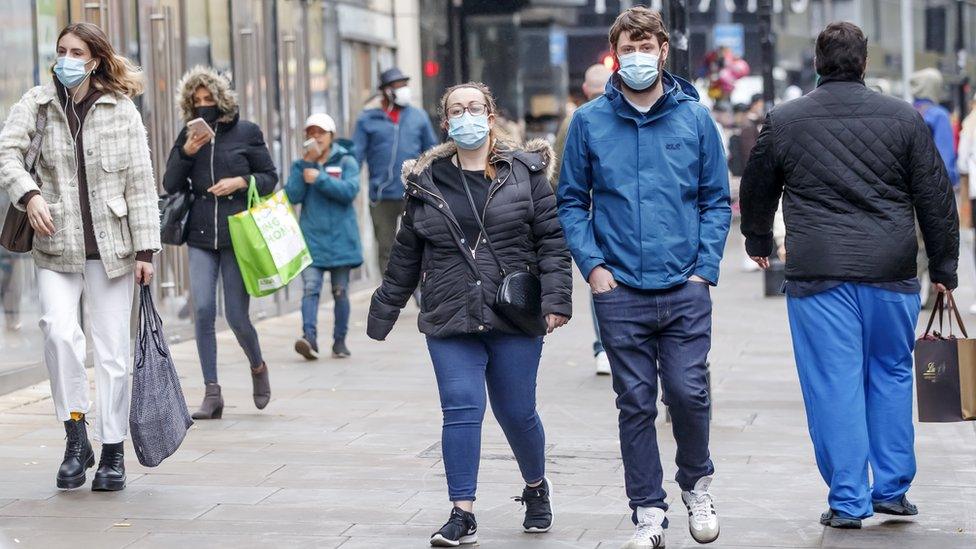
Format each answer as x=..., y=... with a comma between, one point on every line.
x=702, y=520
x=972, y=309
x=602, y=364
x=650, y=529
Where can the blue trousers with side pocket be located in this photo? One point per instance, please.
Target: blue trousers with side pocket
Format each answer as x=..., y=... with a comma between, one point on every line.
x=853, y=346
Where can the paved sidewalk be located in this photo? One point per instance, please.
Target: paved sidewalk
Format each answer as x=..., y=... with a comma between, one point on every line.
x=347, y=454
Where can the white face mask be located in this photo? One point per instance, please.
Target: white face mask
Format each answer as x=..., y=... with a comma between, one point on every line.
x=402, y=96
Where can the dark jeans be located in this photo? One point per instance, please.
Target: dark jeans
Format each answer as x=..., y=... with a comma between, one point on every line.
x=312, y=279
x=386, y=217
x=668, y=334
x=508, y=364
x=205, y=266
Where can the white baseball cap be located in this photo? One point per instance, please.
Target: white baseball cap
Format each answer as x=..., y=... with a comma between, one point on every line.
x=321, y=120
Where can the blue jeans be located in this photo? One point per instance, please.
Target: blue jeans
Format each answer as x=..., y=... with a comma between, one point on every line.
x=668, y=334
x=598, y=342
x=508, y=364
x=853, y=346
x=205, y=266
x=312, y=279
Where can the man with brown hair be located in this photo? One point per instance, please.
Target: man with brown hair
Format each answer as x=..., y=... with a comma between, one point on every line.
x=855, y=169
x=644, y=203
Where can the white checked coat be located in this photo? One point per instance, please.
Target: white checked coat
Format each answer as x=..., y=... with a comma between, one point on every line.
x=123, y=196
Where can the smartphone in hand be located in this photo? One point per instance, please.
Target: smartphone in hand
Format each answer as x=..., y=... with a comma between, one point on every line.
x=311, y=146
x=198, y=127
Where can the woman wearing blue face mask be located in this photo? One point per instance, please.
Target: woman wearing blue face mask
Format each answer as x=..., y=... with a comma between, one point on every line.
x=93, y=207
x=478, y=178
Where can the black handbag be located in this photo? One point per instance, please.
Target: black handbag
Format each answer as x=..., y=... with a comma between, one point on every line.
x=519, y=297
x=174, y=213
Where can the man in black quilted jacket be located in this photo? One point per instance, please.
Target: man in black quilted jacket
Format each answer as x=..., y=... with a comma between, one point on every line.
x=855, y=170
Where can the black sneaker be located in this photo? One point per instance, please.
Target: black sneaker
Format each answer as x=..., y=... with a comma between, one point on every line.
x=307, y=348
x=900, y=507
x=339, y=350
x=461, y=529
x=836, y=520
x=538, y=507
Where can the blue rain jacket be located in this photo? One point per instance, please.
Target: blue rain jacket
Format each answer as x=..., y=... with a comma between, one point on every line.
x=384, y=146
x=646, y=195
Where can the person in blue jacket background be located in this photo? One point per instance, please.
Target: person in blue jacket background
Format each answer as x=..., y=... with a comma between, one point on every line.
x=386, y=136
x=325, y=183
x=926, y=87
x=648, y=160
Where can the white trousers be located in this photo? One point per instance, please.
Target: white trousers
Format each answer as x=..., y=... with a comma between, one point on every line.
x=108, y=308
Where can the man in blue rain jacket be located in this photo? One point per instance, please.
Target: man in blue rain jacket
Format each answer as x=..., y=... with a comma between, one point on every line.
x=385, y=136
x=644, y=203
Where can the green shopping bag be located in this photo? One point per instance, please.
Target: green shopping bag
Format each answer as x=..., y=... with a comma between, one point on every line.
x=268, y=243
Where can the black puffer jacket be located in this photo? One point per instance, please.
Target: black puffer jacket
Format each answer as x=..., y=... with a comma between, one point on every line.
x=857, y=167
x=521, y=221
x=238, y=150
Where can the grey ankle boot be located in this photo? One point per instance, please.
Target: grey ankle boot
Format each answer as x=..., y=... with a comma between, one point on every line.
x=262, y=386
x=212, y=406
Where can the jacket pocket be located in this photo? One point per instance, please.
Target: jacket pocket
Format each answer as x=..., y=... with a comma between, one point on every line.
x=54, y=244
x=120, y=222
x=114, y=151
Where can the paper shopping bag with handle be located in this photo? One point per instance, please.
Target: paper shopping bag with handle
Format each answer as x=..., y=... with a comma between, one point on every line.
x=268, y=243
x=945, y=368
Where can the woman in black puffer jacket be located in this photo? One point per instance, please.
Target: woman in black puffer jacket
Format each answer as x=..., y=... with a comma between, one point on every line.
x=217, y=172
x=440, y=246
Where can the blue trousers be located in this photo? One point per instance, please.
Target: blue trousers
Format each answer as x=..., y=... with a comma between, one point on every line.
x=853, y=346
x=508, y=365
x=312, y=281
x=668, y=334
x=205, y=267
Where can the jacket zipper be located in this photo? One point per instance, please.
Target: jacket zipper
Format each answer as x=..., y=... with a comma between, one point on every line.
x=213, y=181
x=484, y=213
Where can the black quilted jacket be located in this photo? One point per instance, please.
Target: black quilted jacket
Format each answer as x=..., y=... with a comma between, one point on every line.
x=521, y=221
x=855, y=168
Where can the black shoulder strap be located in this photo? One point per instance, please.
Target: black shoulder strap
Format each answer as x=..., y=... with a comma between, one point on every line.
x=477, y=216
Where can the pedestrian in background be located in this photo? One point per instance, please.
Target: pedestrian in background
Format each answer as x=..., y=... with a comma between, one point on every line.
x=96, y=221
x=479, y=178
x=594, y=82
x=215, y=169
x=926, y=87
x=325, y=182
x=644, y=200
x=966, y=159
x=384, y=138
x=855, y=169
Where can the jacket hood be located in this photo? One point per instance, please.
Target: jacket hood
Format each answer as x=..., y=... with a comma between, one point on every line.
x=219, y=87
x=505, y=151
x=927, y=84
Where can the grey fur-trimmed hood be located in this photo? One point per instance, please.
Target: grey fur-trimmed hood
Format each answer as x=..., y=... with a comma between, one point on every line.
x=535, y=150
x=219, y=87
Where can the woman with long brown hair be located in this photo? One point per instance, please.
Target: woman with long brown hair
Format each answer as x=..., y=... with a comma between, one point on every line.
x=93, y=207
x=477, y=206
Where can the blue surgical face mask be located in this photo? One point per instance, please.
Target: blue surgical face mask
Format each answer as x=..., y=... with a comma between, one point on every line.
x=469, y=132
x=639, y=70
x=70, y=71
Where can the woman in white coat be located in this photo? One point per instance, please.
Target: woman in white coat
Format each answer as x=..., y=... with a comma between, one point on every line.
x=94, y=211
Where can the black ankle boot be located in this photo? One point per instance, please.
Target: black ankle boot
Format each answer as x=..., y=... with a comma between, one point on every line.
x=78, y=455
x=110, y=476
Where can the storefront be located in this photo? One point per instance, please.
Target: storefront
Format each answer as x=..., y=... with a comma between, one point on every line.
x=285, y=58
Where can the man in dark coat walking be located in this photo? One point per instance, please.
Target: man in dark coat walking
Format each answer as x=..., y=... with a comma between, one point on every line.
x=855, y=170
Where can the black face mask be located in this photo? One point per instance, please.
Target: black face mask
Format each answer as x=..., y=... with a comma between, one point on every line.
x=209, y=114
